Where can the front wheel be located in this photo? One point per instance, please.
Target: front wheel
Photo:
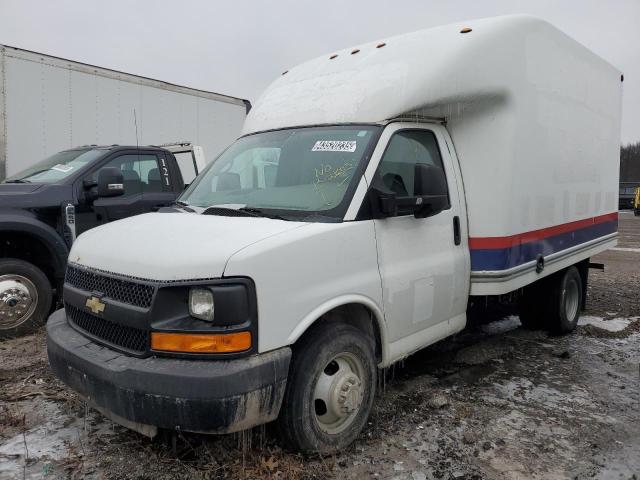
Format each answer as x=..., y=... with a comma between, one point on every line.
x=25, y=298
x=330, y=389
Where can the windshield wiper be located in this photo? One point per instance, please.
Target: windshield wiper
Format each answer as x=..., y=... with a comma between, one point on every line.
x=261, y=213
x=38, y=172
x=240, y=212
x=16, y=180
x=184, y=205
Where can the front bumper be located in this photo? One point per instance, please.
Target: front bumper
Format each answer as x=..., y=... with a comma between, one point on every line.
x=208, y=396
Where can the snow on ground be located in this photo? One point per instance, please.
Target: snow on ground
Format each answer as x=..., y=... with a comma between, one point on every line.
x=501, y=326
x=613, y=325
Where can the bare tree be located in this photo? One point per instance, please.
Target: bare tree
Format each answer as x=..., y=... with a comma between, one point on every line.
x=630, y=162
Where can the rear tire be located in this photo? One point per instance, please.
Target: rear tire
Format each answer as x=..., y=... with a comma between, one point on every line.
x=532, y=309
x=330, y=389
x=566, y=302
x=25, y=298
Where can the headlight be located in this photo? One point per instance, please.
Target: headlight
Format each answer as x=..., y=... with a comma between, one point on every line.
x=201, y=304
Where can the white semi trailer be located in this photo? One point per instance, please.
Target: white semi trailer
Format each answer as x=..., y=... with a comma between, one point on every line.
x=49, y=104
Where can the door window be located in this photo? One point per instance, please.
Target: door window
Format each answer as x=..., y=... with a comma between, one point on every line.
x=140, y=173
x=406, y=148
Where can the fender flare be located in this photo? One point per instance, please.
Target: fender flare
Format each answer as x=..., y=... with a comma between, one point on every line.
x=342, y=300
x=19, y=221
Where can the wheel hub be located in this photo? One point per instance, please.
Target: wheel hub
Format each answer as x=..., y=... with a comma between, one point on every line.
x=348, y=394
x=18, y=299
x=339, y=393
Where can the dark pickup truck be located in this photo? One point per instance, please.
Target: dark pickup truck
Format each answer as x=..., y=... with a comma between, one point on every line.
x=44, y=208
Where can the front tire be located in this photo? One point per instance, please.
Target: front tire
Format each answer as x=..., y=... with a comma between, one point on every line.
x=330, y=389
x=25, y=298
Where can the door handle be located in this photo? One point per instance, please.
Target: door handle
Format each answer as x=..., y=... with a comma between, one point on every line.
x=457, y=237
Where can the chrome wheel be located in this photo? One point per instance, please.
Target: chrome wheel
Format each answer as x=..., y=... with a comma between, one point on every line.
x=18, y=300
x=571, y=300
x=338, y=393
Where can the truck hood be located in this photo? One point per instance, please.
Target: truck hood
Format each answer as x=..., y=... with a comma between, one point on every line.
x=172, y=246
x=17, y=188
x=34, y=195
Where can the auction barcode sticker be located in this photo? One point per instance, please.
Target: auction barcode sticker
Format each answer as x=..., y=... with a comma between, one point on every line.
x=62, y=168
x=334, y=146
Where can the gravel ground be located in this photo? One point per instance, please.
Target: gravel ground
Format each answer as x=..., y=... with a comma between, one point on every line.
x=495, y=401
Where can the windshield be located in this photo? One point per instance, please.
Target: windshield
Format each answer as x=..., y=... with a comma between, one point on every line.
x=300, y=172
x=56, y=167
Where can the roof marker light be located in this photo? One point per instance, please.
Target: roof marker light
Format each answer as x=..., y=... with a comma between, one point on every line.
x=333, y=56
x=353, y=52
x=380, y=45
x=465, y=30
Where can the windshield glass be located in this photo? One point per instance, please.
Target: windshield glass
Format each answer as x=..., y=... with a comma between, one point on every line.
x=298, y=171
x=57, y=167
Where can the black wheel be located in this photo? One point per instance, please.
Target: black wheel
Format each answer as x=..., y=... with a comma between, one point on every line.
x=25, y=298
x=532, y=311
x=566, y=301
x=330, y=389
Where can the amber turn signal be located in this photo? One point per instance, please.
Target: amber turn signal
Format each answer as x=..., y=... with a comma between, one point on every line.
x=201, y=342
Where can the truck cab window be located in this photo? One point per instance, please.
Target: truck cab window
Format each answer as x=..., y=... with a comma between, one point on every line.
x=57, y=167
x=406, y=148
x=140, y=173
x=253, y=169
x=302, y=172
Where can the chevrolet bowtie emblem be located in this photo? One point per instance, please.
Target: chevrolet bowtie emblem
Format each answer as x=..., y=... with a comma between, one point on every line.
x=95, y=305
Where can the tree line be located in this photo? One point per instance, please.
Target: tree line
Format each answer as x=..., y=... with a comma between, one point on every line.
x=630, y=162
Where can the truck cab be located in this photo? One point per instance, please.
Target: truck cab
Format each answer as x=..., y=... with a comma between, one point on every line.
x=45, y=207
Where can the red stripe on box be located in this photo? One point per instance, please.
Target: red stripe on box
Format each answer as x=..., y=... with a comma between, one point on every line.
x=486, y=243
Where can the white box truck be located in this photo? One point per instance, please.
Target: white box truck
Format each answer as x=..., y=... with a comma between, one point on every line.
x=49, y=104
x=375, y=193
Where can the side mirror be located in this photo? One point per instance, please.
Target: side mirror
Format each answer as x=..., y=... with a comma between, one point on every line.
x=430, y=195
x=430, y=190
x=110, y=182
x=88, y=183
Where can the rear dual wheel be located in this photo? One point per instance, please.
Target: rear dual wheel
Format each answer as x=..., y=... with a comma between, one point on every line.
x=553, y=303
x=330, y=389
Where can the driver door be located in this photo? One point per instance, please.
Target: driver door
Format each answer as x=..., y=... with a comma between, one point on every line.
x=424, y=267
x=141, y=176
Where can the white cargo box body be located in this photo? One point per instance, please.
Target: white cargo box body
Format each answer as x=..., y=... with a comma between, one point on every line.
x=48, y=104
x=535, y=122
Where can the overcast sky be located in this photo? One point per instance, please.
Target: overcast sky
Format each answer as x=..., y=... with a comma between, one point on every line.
x=237, y=47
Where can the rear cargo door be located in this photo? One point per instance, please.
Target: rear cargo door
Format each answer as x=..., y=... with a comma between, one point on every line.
x=423, y=261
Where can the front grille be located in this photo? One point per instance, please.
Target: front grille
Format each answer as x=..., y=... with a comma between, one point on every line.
x=125, y=291
x=129, y=338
